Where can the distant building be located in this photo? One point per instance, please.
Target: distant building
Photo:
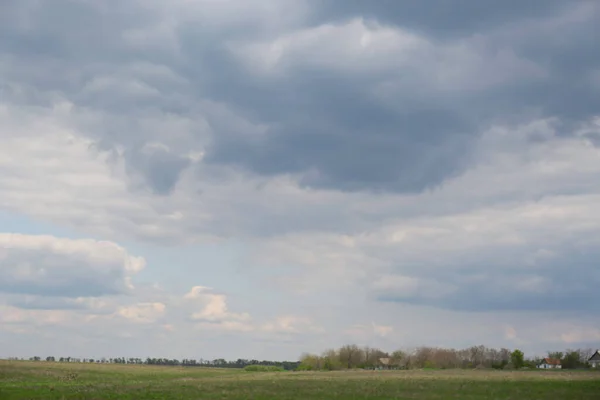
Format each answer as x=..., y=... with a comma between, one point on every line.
x=550, y=363
x=595, y=360
x=384, y=363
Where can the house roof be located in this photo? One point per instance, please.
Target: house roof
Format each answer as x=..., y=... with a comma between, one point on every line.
x=384, y=361
x=551, y=361
x=595, y=356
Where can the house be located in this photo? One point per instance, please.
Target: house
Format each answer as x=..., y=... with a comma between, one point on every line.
x=595, y=360
x=550, y=363
x=384, y=363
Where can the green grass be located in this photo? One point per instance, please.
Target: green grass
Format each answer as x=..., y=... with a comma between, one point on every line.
x=40, y=380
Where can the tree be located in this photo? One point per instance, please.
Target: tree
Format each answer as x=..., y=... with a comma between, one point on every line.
x=517, y=358
x=585, y=355
x=371, y=357
x=397, y=358
x=330, y=360
x=423, y=358
x=557, y=355
x=477, y=355
x=571, y=360
x=351, y=356
x=310, y=362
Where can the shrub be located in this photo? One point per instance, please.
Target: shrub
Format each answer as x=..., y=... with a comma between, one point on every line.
x=429, y=365
x=499, y=365
x=510, y=366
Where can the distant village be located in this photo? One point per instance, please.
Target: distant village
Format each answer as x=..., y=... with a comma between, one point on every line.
x=478, y=357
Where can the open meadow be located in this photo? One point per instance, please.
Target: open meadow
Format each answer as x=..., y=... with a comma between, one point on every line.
x=41, y=380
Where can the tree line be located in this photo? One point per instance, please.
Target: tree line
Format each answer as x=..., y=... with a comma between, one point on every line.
x=216, y=363
x=353, y=356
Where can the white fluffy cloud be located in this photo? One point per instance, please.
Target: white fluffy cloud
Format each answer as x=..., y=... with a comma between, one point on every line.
x=212, y=308
x=291, y=324
x=142, y=312
x=210, y=311
x=47, y=265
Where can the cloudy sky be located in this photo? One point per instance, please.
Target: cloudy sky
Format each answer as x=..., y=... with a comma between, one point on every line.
x=260, y=178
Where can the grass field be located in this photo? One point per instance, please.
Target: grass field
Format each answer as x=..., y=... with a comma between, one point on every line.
x=40, y=380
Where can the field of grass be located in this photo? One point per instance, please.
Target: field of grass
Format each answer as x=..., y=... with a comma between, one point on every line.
x=41, y=380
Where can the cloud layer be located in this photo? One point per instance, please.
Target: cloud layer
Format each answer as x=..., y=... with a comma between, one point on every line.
x=388, y=159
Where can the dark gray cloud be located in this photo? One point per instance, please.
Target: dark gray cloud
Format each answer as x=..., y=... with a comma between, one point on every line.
x=322, y=123
x=327, y=127
x=567, y=283
x=327, y=131
x=159, y=167
x=56, y=275
x=442, y=18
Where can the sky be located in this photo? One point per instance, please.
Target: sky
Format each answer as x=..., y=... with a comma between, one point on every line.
x=263, y=178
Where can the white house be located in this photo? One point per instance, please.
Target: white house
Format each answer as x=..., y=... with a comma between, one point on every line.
x=550, y=363
x=384, y=363
x=595, y=360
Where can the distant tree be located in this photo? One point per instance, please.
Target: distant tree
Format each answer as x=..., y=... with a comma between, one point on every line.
x=310, y=362
x=398, y=358
x=423, y=357
x=557, y=355
x=505, y=354
x=477, y=355
x=572, y=360
x=517, y=358
x=350, y=356
x=330, y=360
x=448, y=358
x=371, y=357
x=585, y=355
